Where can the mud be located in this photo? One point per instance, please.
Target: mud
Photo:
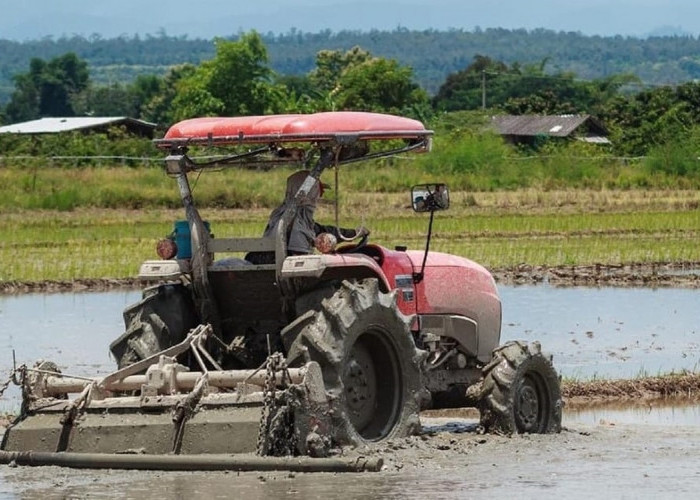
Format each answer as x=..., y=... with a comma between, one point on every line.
x=682, y=385
x=608, y=457
x=449, y=460
x=676, y=274
x=76, y=285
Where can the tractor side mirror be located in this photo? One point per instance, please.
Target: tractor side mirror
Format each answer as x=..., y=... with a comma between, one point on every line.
x=430, y=197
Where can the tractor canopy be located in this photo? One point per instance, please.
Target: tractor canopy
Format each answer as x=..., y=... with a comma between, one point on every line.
x=344, y=137
x=329, y=126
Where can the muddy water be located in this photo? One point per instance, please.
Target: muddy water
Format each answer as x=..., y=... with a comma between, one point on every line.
x=601, y=461
x=608, y=332
x=661, y=412
x=592, y=332
x=644, y=451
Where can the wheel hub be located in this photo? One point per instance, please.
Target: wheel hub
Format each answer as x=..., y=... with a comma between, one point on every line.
x=360, y=381
x=527, y=409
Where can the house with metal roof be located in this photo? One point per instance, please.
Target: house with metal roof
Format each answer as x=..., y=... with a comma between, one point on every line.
x=81, y=124
x=527, y=129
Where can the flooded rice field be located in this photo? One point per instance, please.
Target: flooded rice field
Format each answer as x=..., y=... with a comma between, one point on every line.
x=593, y=333
x=643, y=450
x=607, y=332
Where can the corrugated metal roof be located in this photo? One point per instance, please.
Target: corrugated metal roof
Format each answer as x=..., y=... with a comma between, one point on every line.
x=595, y=139
x=552, y=125
x=56, y=125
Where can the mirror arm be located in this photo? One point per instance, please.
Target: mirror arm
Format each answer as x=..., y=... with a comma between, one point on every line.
x=418, y=277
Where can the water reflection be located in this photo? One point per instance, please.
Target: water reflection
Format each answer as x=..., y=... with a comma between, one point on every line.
x=72, y=329
x=592, y=332
x=607, y=332
x=657, y=412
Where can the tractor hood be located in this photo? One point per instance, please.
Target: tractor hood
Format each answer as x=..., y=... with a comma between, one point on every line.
x=455, y=285
x=439, y=262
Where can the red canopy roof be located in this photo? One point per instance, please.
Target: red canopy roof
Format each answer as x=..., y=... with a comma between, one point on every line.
x=293, y=128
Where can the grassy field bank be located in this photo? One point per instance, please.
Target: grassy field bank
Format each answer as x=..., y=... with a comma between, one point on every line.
x=497, y=229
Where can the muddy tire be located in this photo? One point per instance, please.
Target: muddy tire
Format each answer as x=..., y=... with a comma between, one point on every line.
x=160, y=320
x=370, y=365
x=520, y=391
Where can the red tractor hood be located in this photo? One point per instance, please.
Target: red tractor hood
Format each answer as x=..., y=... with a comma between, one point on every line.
x=455, y=285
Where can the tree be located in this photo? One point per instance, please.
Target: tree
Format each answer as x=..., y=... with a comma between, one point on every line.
x=654, y=117
x=526, y=89
x=118, y=99
x=105, y=100
x=380, y=85
x=159, y=108
x=463, y=89
x=47, y=89
x=237, y=81
x=144, y=89
x=330, y=65
x=300, y=95
x=355, y=80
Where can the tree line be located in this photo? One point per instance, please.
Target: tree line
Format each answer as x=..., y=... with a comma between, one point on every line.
x=239, y=80
x=432, y=54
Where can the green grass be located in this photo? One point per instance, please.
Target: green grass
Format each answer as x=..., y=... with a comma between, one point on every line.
x=55, y=245
x=67, y=188
x=61, y=223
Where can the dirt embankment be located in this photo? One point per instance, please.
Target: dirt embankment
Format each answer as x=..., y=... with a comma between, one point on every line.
x=676, y=274
x=681, y=386
x=76, y=285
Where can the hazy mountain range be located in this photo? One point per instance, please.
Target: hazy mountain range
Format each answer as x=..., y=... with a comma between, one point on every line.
x=32, y=19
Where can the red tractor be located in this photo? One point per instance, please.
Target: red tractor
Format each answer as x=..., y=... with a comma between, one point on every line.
x=343, y=346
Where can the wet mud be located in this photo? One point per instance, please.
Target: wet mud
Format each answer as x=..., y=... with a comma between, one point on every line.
x=608, y=457
x=676, y=274
x=448, y=460
x=76, y=285
x=681, y=385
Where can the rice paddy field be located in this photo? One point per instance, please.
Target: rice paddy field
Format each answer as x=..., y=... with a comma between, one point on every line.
x=102, y=223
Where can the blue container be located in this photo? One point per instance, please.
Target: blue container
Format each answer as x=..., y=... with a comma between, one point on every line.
x=181, y=235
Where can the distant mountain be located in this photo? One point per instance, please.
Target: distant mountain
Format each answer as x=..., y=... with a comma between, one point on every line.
x=657, y=60
x=668, y=31
x=34, y=19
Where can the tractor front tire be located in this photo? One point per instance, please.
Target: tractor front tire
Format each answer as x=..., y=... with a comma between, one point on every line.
x=520, y=392
x=369, y=361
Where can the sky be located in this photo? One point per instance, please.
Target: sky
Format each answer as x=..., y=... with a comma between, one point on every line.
x=32, y=19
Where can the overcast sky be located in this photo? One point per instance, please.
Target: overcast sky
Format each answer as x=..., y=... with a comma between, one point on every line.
x=31, y=19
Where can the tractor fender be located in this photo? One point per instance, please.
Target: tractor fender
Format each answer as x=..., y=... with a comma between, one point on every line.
x=326, y=267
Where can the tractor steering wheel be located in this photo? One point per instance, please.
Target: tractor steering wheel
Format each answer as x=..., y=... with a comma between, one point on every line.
x=363, y=241
x=354, y=246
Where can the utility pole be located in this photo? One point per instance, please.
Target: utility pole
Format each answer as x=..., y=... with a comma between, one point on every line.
x=483, y=89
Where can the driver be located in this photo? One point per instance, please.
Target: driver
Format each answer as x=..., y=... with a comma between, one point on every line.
x=304, y=228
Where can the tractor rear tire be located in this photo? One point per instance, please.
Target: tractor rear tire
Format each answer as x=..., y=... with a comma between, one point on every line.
x=160, y=320
x=520, y=392
x=370, y=364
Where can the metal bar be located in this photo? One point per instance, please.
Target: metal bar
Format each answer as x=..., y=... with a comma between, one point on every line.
x=55, y=385
x=203, y=350
x=199, y=238
x=388, y=152
x=191, y=462
x=139, y=366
